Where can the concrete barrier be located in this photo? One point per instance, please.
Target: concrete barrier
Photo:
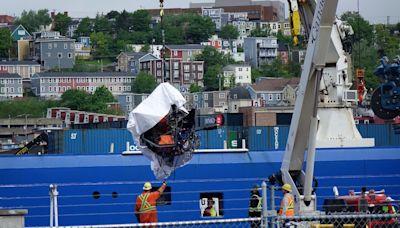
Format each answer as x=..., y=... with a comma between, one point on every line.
x=13, y=218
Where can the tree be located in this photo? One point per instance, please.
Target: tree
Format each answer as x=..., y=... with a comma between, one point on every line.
x=212, y=56
x=211, y=78
x=85, y=27
x=194, y=88
x=145, y=48
x=229, y=32
x=199, y=29
x=6, y=43
x=76, y=99
x=124, y=21
x=362, y=28
x=141, y=21
x=61, y=23
x=100, y=98
x=32, y=20
x=100, y=44
x=257, y=32
x=102, y=24
x=144, y=83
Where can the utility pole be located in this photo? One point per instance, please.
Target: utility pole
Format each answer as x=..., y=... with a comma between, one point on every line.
x=163, y=40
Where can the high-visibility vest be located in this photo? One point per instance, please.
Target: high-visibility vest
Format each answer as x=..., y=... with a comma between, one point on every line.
x=258, y=208
x=290, y=206
x=145, y=206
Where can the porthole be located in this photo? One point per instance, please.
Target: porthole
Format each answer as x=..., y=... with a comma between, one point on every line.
x=96, y=195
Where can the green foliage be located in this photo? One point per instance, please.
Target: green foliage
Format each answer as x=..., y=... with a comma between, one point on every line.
x=6, y=43
x=194, y=88
x=84, y=28
x=229, y=32
x=214, y=61
x=32, y=106
x=258, y=32
x=124, y=21
x=61, y=23
x=278, y=69
x=187, y=28
x=100, y=43
x=144, y=83
x=211, y=78
x=256, y=73
x=145, y=48
x=361, y=27
x=141, y=21
x=102, y=24
x=83, y=101
x=32, y=20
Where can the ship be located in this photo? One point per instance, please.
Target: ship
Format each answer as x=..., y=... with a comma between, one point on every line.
x=99, y=187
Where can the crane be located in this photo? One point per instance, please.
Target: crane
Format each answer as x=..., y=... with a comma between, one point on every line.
x=323, y=110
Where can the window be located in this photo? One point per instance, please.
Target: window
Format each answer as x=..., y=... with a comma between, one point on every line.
x=186, y=68
x=71, y=46
x=235, y=96
x=175, y=52
x=240, y=69
x=159, y=73
x=221, y=95
x=176, y=65
x=69, y=55
x=59, y=55
x=270, y=97
x=49, y=54
x=176, y=73
x=55, y=45
x=205, y=105
x=195, y=97
x=12, y=90
x=128, y=98
x=42, y=89
x=187, y=76
x=278, y=97
x=200, y=68
x=49, y=46
x=158, y=64
x=65, y=46
x=205, y=96
x=221, y=103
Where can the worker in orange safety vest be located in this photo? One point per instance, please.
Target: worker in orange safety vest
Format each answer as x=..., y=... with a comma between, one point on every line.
x=287, y=203
x=145, y=209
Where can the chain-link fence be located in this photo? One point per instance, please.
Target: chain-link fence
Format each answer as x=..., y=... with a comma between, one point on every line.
x=354, y=220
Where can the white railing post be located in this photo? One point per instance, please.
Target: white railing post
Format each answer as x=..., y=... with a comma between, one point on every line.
x=264, y=217
x=53, y=206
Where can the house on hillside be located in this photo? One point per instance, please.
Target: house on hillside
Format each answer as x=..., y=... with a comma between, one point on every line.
x=130, y=61
x=10, y=86
x=274, y=92
x=185, y=52
x=19, y=32
x=236, y=74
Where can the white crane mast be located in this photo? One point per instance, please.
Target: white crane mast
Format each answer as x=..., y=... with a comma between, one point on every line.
x=322, y=116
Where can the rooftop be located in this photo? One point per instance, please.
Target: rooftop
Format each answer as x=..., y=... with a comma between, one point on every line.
x=186, y=47
x=84, y=74
x=7, y=75
x=275, y=84
x=19, y=63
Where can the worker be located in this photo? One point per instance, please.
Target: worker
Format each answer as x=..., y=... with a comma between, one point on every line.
x=210, y=210
x=255, y=206
x=145, y=209
x=287, y=203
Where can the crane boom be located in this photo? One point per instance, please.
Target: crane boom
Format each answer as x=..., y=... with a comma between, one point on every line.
x=322, y=115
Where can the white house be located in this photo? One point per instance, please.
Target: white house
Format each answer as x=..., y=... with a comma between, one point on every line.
x=237, y=74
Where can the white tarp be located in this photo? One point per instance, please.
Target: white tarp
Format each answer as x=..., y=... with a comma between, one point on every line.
x=146, y=115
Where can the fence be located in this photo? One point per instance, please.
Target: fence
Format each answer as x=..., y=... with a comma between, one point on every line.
x=378, y=215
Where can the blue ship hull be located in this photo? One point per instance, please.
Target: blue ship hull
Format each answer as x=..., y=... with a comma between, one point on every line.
x=117, y=179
